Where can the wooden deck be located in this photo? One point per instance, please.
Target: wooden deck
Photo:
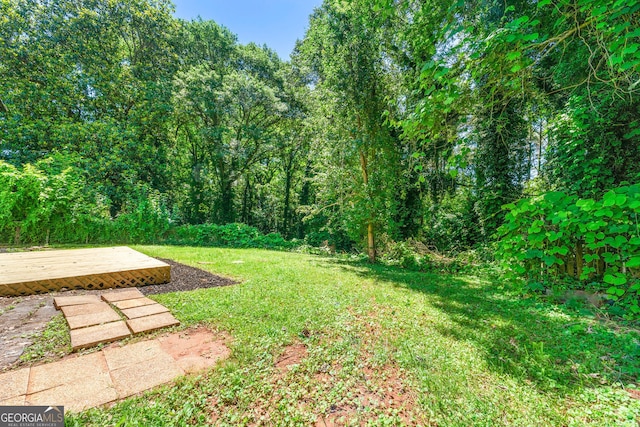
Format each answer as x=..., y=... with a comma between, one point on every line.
x=26, y=273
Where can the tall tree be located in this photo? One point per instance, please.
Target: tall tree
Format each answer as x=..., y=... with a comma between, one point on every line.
x=343, y=50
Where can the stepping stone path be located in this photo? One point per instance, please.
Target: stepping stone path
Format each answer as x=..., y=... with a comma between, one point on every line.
x=94, y=321
x=118, y=371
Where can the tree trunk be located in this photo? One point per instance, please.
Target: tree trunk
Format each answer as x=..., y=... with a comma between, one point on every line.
x=196, y=191
x=245, y=201
x=540, y=149
x=16, y=239
x=371, y=242
x=305, y=195
x=286, y=220
x=226, y=214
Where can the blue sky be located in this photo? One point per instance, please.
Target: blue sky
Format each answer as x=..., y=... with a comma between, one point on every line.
x=276, y=23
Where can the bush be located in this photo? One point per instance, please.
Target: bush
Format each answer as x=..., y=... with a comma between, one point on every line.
x=234, y=235
x=559, y=238
x=49, y=202
x=401, y=254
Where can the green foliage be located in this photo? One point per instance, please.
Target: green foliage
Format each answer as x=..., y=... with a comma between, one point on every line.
x=403, y=255
x=344, y=53
x=144, y=219
x=20, y=201
x=52, y=203
x=45, y=202
x=557, y=236
x=453, y=225
x=233, y=235
x=401, y=120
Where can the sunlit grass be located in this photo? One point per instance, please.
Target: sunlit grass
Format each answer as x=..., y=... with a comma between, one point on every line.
x=466, y=350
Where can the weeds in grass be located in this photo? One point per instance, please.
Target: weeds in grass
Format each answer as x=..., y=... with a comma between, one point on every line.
x=452, y=350
x=53, y=342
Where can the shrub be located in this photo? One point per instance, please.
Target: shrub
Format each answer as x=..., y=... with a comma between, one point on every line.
x=229, y=235
x=561, y=238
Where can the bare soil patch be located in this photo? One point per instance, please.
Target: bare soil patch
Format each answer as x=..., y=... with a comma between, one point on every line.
x=195, y=349
x=371, y=390
x=382, y=389
x=292, y=355
x=634, y=393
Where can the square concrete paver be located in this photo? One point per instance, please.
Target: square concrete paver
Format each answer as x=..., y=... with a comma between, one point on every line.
x=66, y=371
x=93, y=335
x=75, y=300
x=116, y=372
x=14, y=401
x=122, y=295
x=139, y=367
x=150, y=323
x=14, y=384
x=100, y=317
x=145, y=310
x=80, y=309
x=78, y=383
x=132, y=303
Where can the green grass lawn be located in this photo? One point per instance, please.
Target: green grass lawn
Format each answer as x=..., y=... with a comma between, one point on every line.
x=384, y=346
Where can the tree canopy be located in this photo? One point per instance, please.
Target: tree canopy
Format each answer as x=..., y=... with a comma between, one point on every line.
x=505, y=125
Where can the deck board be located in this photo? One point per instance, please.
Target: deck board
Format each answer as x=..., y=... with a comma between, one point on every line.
x=24, y=273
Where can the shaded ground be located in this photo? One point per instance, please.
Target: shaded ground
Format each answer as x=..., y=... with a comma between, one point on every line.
x=23, y=318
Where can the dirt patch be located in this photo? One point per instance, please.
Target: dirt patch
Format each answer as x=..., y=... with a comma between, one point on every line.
x=330, y=379
x=633, y=393
x=195, y=349
x=292, y=355
x=22, y=318
x=380, y=390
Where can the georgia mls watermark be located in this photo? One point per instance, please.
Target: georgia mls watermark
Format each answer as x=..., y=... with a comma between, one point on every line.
x=31, y=416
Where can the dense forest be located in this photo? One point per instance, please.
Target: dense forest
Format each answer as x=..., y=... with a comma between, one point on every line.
x=398, y=126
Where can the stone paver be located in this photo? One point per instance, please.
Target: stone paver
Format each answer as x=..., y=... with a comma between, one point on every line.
x=93, y=335
x=93, y=321
x=14, y=384
x=116, y=372
x=14, y=401
x=125, y=363
x=80, y=309
x=77, y=322
x=122, y=295
x=67, y=371
x=77, y=383
x=150, y=323
x=75, y=300
x=131, y=303
x=19, y=324
x=145, y=310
